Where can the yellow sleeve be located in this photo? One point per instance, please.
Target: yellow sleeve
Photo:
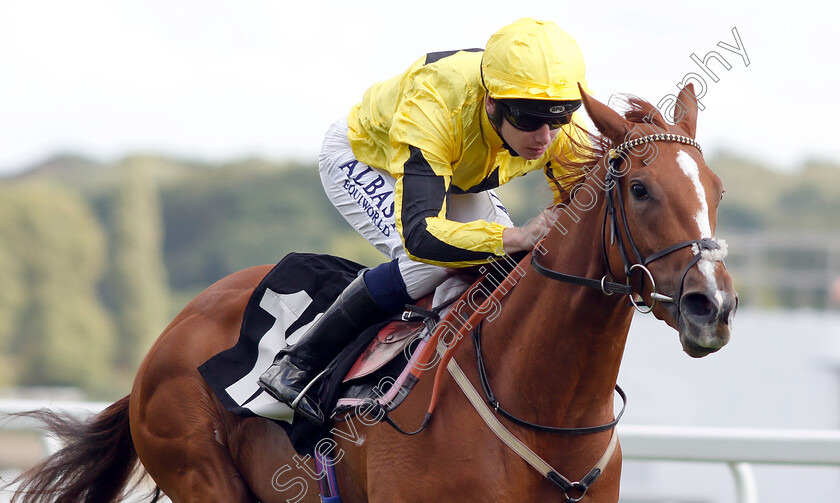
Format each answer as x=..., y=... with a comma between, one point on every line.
x=426, y=141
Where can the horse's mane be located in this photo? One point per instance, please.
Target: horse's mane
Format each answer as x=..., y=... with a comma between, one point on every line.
x=586, y=147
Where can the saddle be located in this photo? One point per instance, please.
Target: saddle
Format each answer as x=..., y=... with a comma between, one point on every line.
x=401, y=350
x=380, y=377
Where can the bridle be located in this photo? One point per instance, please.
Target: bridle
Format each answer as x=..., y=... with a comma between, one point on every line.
x=489, y=404
x=701, y=248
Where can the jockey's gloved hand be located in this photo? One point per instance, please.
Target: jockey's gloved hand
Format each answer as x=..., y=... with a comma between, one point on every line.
x=517, y=239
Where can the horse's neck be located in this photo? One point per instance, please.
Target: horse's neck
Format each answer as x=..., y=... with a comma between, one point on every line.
x=556, y=343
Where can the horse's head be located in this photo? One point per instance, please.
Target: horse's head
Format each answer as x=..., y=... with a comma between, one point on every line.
x=665, y=200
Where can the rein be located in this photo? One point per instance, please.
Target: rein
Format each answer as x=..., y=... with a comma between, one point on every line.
x=702, y=248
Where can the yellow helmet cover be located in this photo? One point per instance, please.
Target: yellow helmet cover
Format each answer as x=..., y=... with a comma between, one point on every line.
x=531, y=59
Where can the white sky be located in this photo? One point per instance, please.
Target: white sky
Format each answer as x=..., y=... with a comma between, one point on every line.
x=218, y=80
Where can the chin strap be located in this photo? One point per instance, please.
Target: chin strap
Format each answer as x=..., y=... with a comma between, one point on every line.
x=496, y=121
x=513, y=153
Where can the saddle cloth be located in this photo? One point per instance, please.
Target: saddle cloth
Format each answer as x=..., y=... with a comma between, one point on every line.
x=281, y=309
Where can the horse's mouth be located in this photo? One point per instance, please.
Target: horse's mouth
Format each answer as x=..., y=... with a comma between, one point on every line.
x=702, y=340
x=694, y=350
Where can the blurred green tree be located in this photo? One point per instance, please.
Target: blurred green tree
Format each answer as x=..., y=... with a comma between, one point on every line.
x=52, y=254
x=136, y=286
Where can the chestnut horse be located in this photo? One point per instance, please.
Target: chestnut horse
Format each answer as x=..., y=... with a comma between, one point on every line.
x=641, y=223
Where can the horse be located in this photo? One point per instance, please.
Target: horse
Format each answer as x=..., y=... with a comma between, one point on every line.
x=636, y=233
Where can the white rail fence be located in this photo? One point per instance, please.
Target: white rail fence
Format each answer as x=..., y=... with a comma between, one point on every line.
x=737, y=448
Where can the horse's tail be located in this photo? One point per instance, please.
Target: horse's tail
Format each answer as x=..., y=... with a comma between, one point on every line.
x=94, y=466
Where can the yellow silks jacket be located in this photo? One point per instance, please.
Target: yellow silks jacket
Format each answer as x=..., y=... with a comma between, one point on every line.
x=428, y=127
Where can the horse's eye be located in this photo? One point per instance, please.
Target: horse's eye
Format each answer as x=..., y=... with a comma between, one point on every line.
x=639, y=191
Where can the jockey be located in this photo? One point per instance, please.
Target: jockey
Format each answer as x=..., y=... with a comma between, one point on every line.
x=412, y=168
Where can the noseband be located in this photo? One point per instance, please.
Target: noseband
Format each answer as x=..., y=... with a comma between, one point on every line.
x=702, y=248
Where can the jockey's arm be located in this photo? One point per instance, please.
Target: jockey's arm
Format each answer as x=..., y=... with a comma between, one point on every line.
x=429, y=236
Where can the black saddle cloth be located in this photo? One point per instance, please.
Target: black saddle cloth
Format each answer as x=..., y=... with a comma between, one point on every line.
x=298, y=288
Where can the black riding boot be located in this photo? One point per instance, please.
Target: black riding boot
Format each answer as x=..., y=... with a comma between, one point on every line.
x=294, y=370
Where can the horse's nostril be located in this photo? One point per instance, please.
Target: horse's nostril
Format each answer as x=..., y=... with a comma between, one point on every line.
x=699, y=307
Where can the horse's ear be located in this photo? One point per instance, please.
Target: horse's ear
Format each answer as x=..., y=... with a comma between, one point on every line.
x=607, y=120
x=685, y=110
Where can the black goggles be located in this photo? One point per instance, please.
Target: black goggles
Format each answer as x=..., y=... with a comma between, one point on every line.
x=526, y=121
